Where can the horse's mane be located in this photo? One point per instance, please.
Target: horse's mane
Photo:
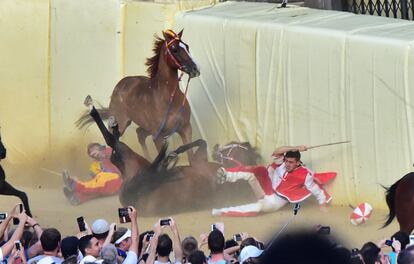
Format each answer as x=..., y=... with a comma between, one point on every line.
x=152, y=62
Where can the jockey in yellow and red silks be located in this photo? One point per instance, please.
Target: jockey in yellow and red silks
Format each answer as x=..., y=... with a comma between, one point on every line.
x=105, y=177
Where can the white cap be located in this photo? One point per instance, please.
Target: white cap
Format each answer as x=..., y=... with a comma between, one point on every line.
x=123, y=237
x=100, y=226
x=249, y=252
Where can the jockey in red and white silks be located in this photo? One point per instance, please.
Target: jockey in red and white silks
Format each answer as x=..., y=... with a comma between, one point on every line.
x=285, y=180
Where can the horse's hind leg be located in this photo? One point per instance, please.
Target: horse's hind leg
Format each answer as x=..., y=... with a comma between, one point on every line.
x=7, y=189
x=142, y=135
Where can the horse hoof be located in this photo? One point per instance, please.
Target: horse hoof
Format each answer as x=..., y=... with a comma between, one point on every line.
x=112, y=122
x=88, y=101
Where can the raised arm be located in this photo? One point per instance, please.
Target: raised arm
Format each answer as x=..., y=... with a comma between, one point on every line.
x=178, y=252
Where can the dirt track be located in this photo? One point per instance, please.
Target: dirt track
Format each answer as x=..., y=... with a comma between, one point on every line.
x=52, y=210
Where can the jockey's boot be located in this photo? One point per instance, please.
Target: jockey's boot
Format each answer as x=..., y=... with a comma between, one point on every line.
x=72, y=198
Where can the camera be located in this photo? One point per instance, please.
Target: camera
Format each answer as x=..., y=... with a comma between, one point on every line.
x=17, y=244
x=81, y=224
x=164, y=222
x=237, y=237
x=388, y=242
x=123, y=215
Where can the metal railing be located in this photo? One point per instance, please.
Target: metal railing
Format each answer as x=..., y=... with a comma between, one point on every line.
x=403, y=9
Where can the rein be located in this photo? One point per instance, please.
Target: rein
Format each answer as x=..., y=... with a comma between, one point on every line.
x=180, y=110
x=230, y=148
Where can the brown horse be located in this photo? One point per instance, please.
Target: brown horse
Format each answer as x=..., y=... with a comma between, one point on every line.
x=235, y=154
x=160, y=187
x=400, y=201
x=155, y=103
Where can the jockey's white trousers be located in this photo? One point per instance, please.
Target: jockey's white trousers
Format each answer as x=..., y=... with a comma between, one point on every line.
x=269, y=203
x=250, y=178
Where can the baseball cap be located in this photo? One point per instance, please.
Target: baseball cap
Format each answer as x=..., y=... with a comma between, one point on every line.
x=249, y=252
x=100, y=226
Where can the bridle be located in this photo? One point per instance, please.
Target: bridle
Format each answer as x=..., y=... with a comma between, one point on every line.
x=168, y=53
x=228, y=149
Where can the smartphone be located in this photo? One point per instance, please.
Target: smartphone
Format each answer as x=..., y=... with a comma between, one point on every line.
x=149, y=235
x=213, y=227
x=388, y=243
x=164, y=222
x=411, y=239
x=123, y=215
x=237, y=237
x=17, y=244
x=3, y=217
x=81, y=223
x=324, y=230
x=21, y=208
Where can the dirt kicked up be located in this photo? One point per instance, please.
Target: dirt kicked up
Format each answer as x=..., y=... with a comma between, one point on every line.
x=51, y=209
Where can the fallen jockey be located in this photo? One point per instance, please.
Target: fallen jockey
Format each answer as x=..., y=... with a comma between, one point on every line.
x=105, y=177
x=284, y=181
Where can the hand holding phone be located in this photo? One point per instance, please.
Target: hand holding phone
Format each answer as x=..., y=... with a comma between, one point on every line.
x=164, y=222
x=17, y=245
x=81, y=223
x=237, y=237
x=388, y=242
x=123, y=215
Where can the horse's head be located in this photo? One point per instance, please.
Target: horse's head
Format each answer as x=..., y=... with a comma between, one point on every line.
x=235, y=154
x=178, y=55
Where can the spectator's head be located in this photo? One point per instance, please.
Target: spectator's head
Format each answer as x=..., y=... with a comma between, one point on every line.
x=26, y=237
x=403, y=237
x=250, y=241
x=164, y=246
x=89, y=245
x=216, y=242
x=197, y=257
x=100, y=229
x=371, y=253
x=69, y=246
x=250, y=254
x=189, y=245
x=95, y=150
x=122, y=238
x=300, y=247
x=292, y=160
x=50, y=239
x=109, y=254
x=406, y=256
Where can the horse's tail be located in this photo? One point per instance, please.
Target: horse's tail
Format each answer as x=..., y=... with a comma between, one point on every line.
x=390, y=199
x=85, y=119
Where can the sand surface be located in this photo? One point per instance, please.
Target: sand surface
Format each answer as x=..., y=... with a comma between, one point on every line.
x=51, y=209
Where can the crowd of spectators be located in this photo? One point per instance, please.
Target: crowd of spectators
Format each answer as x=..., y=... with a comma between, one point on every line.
x=106, y=243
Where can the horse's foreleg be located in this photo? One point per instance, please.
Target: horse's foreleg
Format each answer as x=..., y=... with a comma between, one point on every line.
x=142, y=135
x=7, y=189
x=109, y=138
x=186, y=135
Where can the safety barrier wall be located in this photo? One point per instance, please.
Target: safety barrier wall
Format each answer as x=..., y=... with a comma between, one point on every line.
x=303, y=76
